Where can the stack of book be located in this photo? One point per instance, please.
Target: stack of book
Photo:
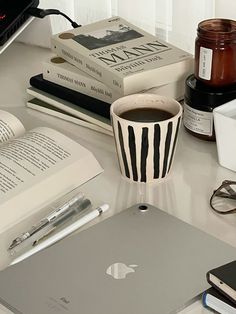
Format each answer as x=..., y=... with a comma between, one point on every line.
x=221, y=297
x=98, y=63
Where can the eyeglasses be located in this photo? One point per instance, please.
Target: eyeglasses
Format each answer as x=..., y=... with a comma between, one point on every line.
x=223, y=199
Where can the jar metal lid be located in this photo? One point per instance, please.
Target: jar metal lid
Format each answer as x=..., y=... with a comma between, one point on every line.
x=199, y=95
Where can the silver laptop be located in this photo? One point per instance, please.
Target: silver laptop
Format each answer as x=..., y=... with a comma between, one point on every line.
x=141, y=260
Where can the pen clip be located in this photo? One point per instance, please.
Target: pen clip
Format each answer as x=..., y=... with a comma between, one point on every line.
x=75, y=211
x=61, y=206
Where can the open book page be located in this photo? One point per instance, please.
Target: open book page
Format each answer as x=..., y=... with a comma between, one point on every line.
x=37, y=168
x=10, y=126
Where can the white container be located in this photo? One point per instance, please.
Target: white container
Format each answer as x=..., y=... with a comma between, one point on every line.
x=225, y=129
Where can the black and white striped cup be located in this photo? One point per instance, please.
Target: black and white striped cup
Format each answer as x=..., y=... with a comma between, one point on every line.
x=145, y=149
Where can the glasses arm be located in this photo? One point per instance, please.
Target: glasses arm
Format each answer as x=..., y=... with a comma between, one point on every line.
x=224, y=195
x=229, y=194
x=230, y=190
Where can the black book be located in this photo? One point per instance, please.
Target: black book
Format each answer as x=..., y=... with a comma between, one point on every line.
x=218, y=302
x=223, y=278
x=89, y=103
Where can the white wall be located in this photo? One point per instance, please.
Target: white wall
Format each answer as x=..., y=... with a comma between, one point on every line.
x=185, y=16
x=226, y=9
x=172, y=20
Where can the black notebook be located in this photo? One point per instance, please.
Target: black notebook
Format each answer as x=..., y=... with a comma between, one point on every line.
x=92, y=104
x=223, y=278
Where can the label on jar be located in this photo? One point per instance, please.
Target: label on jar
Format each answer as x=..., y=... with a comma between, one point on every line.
x=198, y=121
x=205, y=63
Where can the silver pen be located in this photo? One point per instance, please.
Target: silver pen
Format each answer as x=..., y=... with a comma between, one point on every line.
x=74, y=212
x=55, y=214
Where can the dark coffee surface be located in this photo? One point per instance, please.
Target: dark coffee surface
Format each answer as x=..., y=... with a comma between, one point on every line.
x=146, y=115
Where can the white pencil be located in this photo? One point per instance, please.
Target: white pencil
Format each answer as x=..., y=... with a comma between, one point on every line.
x=63, y=233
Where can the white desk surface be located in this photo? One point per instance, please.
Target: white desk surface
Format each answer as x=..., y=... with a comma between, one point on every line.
x=184, y=194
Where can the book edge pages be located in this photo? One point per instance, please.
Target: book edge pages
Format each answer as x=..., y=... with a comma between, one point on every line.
x=32, y=104
x=70, y=108
x=217, y=304
x=67, y=75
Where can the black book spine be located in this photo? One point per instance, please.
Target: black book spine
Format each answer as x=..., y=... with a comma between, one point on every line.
x=89, y=103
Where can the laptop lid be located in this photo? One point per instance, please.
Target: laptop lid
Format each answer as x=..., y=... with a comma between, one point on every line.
x=138, y=261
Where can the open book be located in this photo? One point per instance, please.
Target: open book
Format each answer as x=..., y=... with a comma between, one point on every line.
x=37, y=167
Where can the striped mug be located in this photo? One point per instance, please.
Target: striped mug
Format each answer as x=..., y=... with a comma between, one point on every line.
x=145, y=138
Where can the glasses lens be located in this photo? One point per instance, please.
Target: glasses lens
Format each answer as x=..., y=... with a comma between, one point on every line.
x=224, y=199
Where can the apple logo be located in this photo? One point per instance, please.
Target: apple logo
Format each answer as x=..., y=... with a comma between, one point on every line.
x=120, y=270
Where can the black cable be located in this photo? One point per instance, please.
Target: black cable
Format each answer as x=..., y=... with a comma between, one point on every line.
x=40, y=13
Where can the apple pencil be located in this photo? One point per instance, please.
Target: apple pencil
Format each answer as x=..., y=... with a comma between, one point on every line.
x=63, y=233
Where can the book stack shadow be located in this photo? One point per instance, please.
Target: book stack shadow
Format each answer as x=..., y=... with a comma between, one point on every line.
x=98, y=63
x=221, y=296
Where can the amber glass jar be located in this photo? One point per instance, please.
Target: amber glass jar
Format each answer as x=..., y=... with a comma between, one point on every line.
x=215, y=52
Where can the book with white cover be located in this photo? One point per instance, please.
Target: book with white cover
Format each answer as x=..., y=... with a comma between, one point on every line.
x=122, y=56
x=37, y=167
x=70, y=108
x=61, y=72
x=46, y=108
x=58, y=71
